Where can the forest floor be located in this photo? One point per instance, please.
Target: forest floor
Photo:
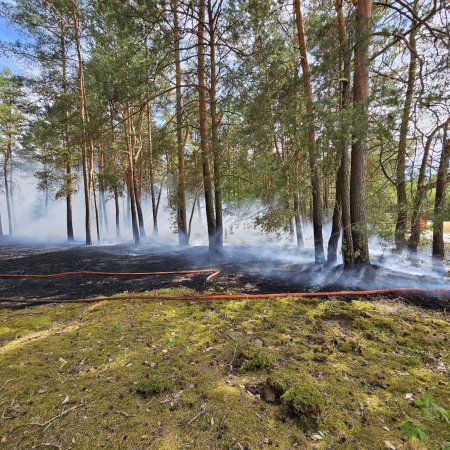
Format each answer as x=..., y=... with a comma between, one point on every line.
x=250, y=374
x=255, y=374
x=243, y=269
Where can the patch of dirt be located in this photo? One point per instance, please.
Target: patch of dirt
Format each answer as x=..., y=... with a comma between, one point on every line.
x=262, y=389
x=344, y=320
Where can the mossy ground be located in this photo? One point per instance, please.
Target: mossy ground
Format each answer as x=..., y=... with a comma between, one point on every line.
x=71, y=374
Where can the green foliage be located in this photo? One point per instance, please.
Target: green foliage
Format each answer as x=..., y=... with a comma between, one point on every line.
x=430, y=411
x=428, y=408
x=177, y=341
x=412, y=428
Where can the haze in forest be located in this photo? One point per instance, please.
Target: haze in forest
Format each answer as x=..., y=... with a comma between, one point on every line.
x=320, y=126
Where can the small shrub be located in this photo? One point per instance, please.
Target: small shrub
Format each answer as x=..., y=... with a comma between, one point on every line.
x=412, y=428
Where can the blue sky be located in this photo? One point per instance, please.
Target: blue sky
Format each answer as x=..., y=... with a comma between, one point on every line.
x=9, y=34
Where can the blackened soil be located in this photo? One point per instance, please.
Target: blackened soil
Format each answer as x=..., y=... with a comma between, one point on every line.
x=242, y=270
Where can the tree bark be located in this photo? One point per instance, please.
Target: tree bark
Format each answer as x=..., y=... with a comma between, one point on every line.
x=414, y=238
x=341, y=214
x=84, y=122
x=402, y=199
x=215, y=144
x=151, y=171
x=183, y=238
x=117, y=212
x=317, y=212
x=440, y=199
x=361, y=121
x=69, y=214
x=207, y=183
x=6, y=163
x=130, y=174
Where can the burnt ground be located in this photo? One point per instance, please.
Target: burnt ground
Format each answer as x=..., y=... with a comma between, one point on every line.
x=243, y=269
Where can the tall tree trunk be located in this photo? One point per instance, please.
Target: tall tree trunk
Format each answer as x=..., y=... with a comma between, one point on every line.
x=151, y=171
x=117, y=212
x=65, y=133
x=6, y=183
x=101, y=184
x=414, y=238
x=297, y=197
x=181, y=191
x=215, y=144
x=440, y=200
x=137, y=197
x=402, y=199
x=336, y=223
x=94, y=198
x=130, y=173
x=209, y=203
x=317, y=212
x=341, y=214
x=84, y=122
x=361, y=122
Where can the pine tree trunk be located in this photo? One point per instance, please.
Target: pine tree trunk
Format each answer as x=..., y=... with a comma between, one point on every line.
x=181, y=192
x=402, y=199
x=84, y=122
x=440, y=199
x=6, y=185
x=137, y=198
x=117, y=212
x=215, y=144
x=151, y=172
x=94, y=198
x=209, y=203
x=297, y=198
x=342, y=203
x=419, y=197
x=317, y=211
x=130, y=174
x=361, y=122
x=336, y=225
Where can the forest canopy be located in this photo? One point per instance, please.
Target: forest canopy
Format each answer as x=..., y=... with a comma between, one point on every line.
x=317, y=111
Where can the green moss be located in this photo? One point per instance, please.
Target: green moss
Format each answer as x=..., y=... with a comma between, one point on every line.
x=96, y=353
x=279, y=381
x=254, y=358
x=364, y=324
x=156, y=383
x=304, y=403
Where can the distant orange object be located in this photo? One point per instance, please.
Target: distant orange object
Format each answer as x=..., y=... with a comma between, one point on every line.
x=423, y=220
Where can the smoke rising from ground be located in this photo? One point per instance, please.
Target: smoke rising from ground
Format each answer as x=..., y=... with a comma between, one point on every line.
x=243, y=240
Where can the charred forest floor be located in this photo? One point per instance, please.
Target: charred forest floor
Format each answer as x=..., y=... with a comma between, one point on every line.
x=254, y=374
x=243, y=269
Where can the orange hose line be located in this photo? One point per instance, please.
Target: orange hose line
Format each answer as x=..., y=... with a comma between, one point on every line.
x=213, y=273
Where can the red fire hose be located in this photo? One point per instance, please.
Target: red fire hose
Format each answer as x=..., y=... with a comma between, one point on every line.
x=213, y=273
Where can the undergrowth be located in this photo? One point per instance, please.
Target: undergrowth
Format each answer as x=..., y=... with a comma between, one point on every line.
x=278, y=373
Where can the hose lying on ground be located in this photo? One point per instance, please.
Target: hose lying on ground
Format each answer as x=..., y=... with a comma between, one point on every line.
x=213, y=272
